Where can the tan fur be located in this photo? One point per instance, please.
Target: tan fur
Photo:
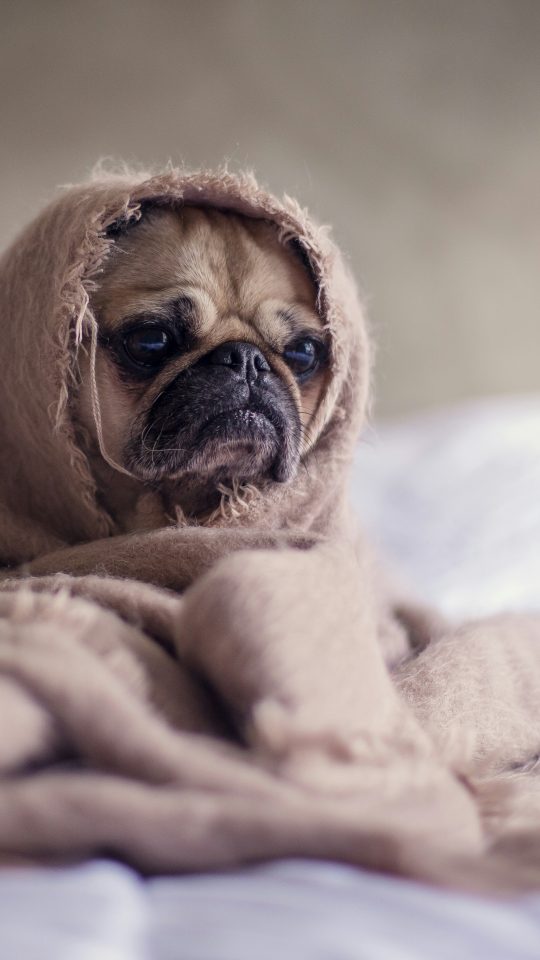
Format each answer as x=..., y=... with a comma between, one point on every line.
x=266, y=723
x=244, y=284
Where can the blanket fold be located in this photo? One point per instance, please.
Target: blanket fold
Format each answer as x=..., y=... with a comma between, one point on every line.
x=188, y=696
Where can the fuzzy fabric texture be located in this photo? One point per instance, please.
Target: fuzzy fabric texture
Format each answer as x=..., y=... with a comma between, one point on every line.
x=193, y=697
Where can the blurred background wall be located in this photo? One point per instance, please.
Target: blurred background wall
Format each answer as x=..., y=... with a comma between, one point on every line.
x=413, y=126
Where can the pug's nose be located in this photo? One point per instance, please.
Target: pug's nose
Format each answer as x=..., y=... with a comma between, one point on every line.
x=244, y=358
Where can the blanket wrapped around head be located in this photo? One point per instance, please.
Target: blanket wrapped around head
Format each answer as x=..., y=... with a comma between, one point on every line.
x=48, y=496
x=155, y=682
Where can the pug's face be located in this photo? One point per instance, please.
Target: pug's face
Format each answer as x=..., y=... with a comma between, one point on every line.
x=211, y=354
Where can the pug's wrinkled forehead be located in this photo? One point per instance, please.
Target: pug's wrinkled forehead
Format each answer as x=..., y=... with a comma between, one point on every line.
x=212, y=354
x=226, y=268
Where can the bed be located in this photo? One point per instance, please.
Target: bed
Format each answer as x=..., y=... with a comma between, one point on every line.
x=451, y=497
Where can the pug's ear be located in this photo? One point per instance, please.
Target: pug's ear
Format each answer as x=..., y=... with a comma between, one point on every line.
x=299, y=251
x=120, y=226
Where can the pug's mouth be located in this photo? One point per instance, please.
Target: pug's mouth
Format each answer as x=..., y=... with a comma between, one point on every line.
x=249, y=441
x=243, y=420
x=239, y=427
x=242, y=440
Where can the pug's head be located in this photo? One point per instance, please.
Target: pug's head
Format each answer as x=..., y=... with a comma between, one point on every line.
x=211, y=356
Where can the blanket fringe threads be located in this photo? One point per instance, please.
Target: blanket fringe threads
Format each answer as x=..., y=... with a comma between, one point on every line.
x=235, y=502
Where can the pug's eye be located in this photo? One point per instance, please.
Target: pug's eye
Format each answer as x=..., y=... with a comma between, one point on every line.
x=148, y=346
x=304, y=357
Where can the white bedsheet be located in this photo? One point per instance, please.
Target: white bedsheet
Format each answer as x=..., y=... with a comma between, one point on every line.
x=453, y=499
x=292, y=910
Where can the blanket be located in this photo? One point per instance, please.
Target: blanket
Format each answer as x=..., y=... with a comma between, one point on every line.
x=197, y=695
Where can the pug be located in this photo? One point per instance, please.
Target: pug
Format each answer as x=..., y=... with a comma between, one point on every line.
x=210, y=361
